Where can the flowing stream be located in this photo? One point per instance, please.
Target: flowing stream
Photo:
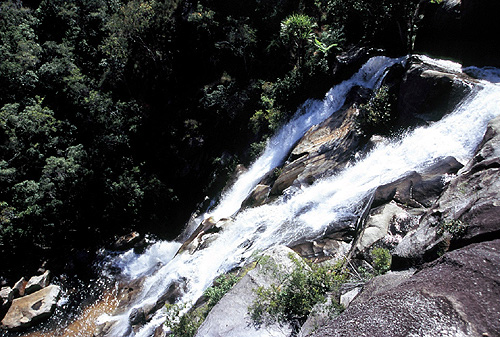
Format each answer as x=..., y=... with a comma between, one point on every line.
x=306, y=212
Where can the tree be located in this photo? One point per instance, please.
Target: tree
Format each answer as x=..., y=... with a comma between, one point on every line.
x=296, y=32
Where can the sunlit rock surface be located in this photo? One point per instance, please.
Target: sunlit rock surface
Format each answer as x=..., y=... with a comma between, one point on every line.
x=457, y=295
x=27, y=310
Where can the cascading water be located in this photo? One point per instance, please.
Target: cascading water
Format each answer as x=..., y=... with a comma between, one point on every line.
x=307, y=212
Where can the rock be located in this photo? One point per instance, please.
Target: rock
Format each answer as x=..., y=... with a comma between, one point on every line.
x=319, y=316
x=127, y=242
x=457, y=295
x=30, y=309
x=347, y=298
x=472, y=197
x=322, y=249
x=379, y=223
x=19, y=287
x=382, y=283
x=348, y=62
x=230, y=316
x=429, y=92
x=191, y=244
x=36, y=283
x=418, y=189
x=6, y=297
x=325, y=148
x=257, y=197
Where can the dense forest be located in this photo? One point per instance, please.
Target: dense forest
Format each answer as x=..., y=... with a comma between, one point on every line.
x=121, y=115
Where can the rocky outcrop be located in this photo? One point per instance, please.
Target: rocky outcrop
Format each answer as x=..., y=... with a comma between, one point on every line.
x=325, y=148
x=36, y=283
x=428, y=92
x=454, y=296
x=230, y=316
x=30, y=309
x=470, y=199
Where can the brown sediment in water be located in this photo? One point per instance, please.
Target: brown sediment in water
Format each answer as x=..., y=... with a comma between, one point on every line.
x=86, y=325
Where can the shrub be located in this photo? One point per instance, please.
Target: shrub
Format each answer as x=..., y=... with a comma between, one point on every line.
x=456, y=228
x=381, y=260
x=292, y=298
x=376, y=116
x=187, y=324
x=221, y=286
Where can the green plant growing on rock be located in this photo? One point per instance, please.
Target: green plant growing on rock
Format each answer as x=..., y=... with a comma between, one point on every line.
x=456, y=228
x=376, y=116
x=221, y=286
x=382, y=260
x=291, y=299
x=187, y=324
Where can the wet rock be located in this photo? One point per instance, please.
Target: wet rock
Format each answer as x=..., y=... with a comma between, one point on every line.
x=428, y=92
x=418, y=189
x=383, y=220
x=325, y=148
x=36, y=283
x=131, y=240
x=322, y=249
x=230, y=316
x=30, y=309
x=19, y=287
x=257, y=197
x=454, y=296
x=473, y=198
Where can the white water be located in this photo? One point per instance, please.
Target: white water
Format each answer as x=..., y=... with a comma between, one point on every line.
x=307, y=212
x=280, y=145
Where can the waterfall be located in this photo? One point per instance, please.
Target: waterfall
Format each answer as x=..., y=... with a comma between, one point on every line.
x=279, y=146
x=308, y=212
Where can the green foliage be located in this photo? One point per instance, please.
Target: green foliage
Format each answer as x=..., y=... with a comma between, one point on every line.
x=183, y=322
x=221, y=286
x=297, y=31
x=381, y=260
x=377, y=116
x=456, y=228
x=292, y=297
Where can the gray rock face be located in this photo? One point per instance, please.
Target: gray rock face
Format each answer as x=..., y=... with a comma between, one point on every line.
x=36, y=283
x=472, y=197
x=230, y=316
x=457, y=295
x=28, y=310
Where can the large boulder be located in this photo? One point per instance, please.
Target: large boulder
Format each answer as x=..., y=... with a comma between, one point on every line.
x=428, y=92
x=471, y=199
x=418, y=189
x=457, y=295
x=30, y=309
x=230, y=316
